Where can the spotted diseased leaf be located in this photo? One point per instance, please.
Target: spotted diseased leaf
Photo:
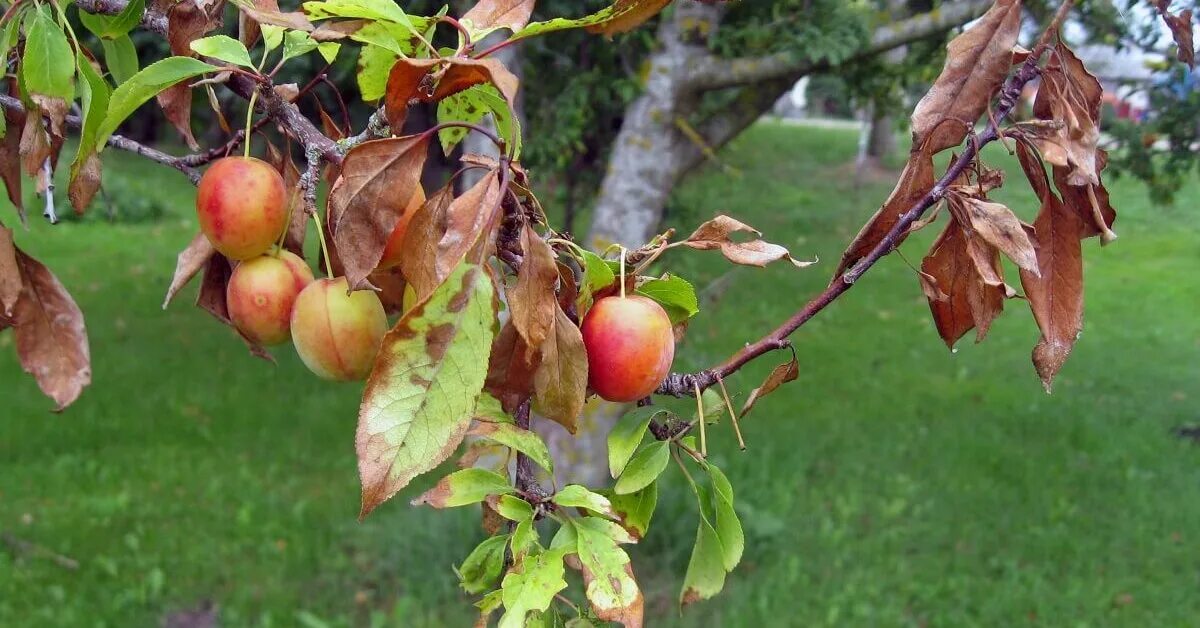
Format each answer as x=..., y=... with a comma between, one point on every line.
x=1070, y=95
x=378, y=178
x=483, y=565
x=608, y=577
x=576, y=496
x=977, y=61
x=619, y=17
x=560, y=381
x=420, y=397
x=532, y=298
x=520, y=439
x=780, y=375
x=253, y=13
x=997, y=225
x=471, y=106
x=530, y=586
x=635, y=509
x=10, y=273
x=727, y=524
x=1056, y=294
x=188, y=263
x=627, y=435
x=510, y=374
x=971, y=302
x=706, y=568
x=489, y=15
x=915, y=182
x=94, y=94
x=51, y=339
x=187, y=21
x=717, y=234
x=404, y=84
x=645, y=467
x=463, y=487
x=374, y=67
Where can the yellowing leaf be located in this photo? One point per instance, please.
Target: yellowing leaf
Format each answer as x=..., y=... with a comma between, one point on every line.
x=608, y=577
x=420, y=397
x=463, y=487
x=530, y=586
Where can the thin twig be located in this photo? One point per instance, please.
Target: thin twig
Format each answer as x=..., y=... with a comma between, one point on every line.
x=733, y=418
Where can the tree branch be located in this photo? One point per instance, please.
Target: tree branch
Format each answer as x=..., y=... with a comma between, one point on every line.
x=183, y=164
x=685, y=384
x=712, y=72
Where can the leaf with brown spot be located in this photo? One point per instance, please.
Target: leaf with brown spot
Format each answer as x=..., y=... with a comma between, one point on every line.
x=378, y=178
x=716, y=234
x=464, y=487
x=1033, y=167
x=977, y=61
x=489, y=15
x=404, y=84
x=560, y=382
x=627, y=15
x=420, y=397
x=998, y=226
x=971, y=302
x=84, y=185
x=188, y=263
x=608, y=578
x=186, y=22
x=10, y=159
x=1056, y=296
x=915, y=182
x=418, y=256
x=464, y=73
x=511, y=369
x=780, y=375
x=532, y=300
x=51, y=338
x=10, y=273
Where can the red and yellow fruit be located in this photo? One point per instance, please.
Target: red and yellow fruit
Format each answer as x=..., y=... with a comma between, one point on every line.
x=261, y=293
x=630, y=346
x=242, y=206
x=395, y=243
x=336, y=334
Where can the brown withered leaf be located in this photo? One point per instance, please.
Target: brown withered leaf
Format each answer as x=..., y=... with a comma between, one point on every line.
x=627, y=15
x=971, y=303
x=1070, y=95
x=464, y=73
x=568, y=288
x=998, y=226
x=378, y=178
x=188, y=263
x=298, y=221
x=469, y=220
x=510, y=14
x=977, y=61
x=390, y=283
x=10, y=158
x=915, y=182
x=331, y=128
x=186, y=22
x=1033, y=167
x=418, y=256
x=268, y=12
x=404, y=84
x=1090, y=202
x=511, y=369
x=35, y=146
x=53, y=108
x=532, y=299
x=85, y=183
x=1181, y=31
x=51, y=338
x=1055, y=297
x=560, y=382
x=716, y=234
x=213, y=284
x=10, y=273
x=780, y=375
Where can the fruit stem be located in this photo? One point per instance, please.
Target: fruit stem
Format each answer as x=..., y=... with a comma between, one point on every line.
x=324, y=247
x=700, y=416
x=622, y=278
x=249, y=121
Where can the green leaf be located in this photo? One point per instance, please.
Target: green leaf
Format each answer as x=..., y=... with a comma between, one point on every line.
x=329, y=50
x=576, y=496
x=507, y=124
x=297, y=43
x=488, y=408
x=490, y=603
x=597, y=275
x=520, y=439
x=728, y=527
x=224, y=48
x=605, y=527
x=114, y=26
x=467, y=486
x=120, y=57
x=367, y=9
x=626, y=435
x=482, y=567
x=374, y=65
x=635, y=509
x=514, y=508
x=421, y=395
x=598, y=20
x=94, y=95
x=471, y=106
x=644, y=468
x=674, y=294
x=272, y=36
x=524, y=537
x=608, y=577
x=706, y=569
x=566, y=537
x=143, y=86
x=530, y=586
x=394, y=39
x=48, y=64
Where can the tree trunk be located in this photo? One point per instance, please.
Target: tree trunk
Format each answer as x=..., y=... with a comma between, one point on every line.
x=881, y=141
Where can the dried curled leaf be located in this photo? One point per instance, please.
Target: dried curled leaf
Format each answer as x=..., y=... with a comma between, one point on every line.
x=972, y=303
x=532, y=299
x=977, y=61
x=1181, y=30
x=404, y=84
x=717, y=234
x=511, y=368
x=51, y=338
x=1056, y=295
x=998, y=226
x=189, y=262
x=487, y=15
x=420, y=397
x=915, y=182
x=780, y=375
x=560, y=382
x=10, y=273
x=187, y=21
x=1070, y=95
x=10, y=158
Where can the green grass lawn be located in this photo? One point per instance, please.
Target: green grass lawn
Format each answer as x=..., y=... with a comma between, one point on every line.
x=894, y=484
